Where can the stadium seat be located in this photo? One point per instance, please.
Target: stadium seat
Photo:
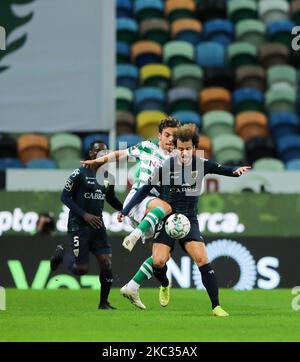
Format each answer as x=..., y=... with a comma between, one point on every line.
x=180, y=9
x=123, y=52
x=217, y=123
x=178, y=52
x=157, y=30
x=128, y=140
x=293, y=165
x=205, y=145
x=251, y=31
x=124, y=9
x=270, y=11
x=241, y=53
x=215, y=99
x=281, y=32
x=189, y=30
x=209, y=54
x=66, y=150
x=146, y=52
x=247, y=99
x=149, y=98
x=273, y=54
x=127, y=30
x=288, y=148
x=148, y=9
x=294, y=56
x=219, y=31
x=219, y=77
x=182, y=99
x=8, y=146
x=125, y=123
x=188, y=75
x=7, y=162
x=41, y=163
x=124, y=98
x=284, y=124
x=228, y=148
x=280, y=100
x=295, y=11
x=268, y=164
x=251, y=124
x=241, y=10
x=94, y=137
x=188, y=117
x=212, y=9
x=278, y=75
x=260, y=147
x=155, y=75
x=147, y=123
x=127, y=76
x=251, y=76
x=31, y=146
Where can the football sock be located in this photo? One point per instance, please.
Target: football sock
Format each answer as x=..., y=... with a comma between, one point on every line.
x=210, y=283
x=153, y=218
x=161, y=275
x=106, y=280
x=68, y=261
x=145, y=272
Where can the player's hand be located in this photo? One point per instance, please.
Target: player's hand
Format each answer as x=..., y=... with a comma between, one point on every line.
x=93, y=220
x=92, y=163
x=242, y=170
x=120, y=216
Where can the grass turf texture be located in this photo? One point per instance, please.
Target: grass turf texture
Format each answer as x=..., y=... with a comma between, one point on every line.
x=65, y=315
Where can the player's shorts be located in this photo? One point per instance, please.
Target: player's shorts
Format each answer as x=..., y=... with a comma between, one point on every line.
x=88, y=240
x=162, y=237
x=138, y=212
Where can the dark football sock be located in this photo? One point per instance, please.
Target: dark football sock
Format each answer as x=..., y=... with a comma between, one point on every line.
x=209, y=281
x=106, y=280
x=68, y=261
x=161, y=275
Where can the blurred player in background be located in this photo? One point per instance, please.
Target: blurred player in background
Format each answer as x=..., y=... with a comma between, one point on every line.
x=84, y=194
x=179, y=183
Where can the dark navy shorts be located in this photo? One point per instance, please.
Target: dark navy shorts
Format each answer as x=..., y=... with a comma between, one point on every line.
x=88, y=240
x=162, y=237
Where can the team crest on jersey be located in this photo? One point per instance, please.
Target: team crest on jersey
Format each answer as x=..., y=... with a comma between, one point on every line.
x=106, y=183
x=76, y=252
x=194, y=174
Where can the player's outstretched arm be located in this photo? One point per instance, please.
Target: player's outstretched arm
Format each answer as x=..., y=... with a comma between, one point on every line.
x=241, y=170
x=110, y=157
x=215, y=168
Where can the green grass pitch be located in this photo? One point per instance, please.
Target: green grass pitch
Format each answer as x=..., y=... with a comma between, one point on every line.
x=64, y=315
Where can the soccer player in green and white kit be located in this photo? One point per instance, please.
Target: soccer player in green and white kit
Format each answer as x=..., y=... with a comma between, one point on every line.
x=145, y=216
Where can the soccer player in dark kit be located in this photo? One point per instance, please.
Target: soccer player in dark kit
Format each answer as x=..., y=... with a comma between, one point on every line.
x=179, y=182
x=84, y=194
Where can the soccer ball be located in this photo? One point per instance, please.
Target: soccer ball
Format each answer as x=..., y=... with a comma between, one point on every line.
x=177, y=226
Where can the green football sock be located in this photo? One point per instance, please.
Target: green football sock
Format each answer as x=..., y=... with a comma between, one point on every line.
x=153, y=218
x=145, y=272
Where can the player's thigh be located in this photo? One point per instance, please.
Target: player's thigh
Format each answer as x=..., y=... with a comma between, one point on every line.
x=197, y=252
x=79, y=243
x=156, y=202
x=161, y=254
x=100, y=245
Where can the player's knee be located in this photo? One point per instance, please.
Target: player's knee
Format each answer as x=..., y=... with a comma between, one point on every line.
x=202, y=260
x=80, y=269
x=168, y=209
x=159, y=263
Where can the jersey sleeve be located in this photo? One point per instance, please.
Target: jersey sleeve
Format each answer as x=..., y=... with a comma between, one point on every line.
x=73, y=182
x=138, y=149
x=218, y=169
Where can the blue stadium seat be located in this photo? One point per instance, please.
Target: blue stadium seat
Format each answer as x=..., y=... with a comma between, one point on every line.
x=44, y=163
x=127, y=30
x=248, y=99
x=127, y=76
x=94, y=137
x=10, y=163
x=129, y=139
x=149, y=98
x=219, y=31
x=124, y=9
x=188, y=117
x=210, y=54
x=277, y=29
x=293, y=165
x=284, y=124
x=288, y=148
x=123, y=52
x=141, y=5
x=182, y=98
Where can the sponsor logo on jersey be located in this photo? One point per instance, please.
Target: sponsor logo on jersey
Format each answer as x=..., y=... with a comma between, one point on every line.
x=69, y=184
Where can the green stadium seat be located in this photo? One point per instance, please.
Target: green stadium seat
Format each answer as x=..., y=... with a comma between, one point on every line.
x=251, y=31
x=155, y=75
x=180, y=9
x=273, y=54
x=273, y=10
x=280, y=100
x=241, y=53
x=217, y=123
x=282, y=74
x=148, y=122
x=66, y=150
x=250, y=76
x=124, y=99
x=188, y=75
x=241, y=10
x=228, y=148
x=268, y=164
x=178, y=52
x=157, y=30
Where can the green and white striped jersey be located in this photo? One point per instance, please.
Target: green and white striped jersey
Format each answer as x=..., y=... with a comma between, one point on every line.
x=148, y=156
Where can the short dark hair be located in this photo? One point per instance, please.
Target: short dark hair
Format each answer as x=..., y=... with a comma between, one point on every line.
x=186, y=133
x=97, y=141
x=170, y=121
